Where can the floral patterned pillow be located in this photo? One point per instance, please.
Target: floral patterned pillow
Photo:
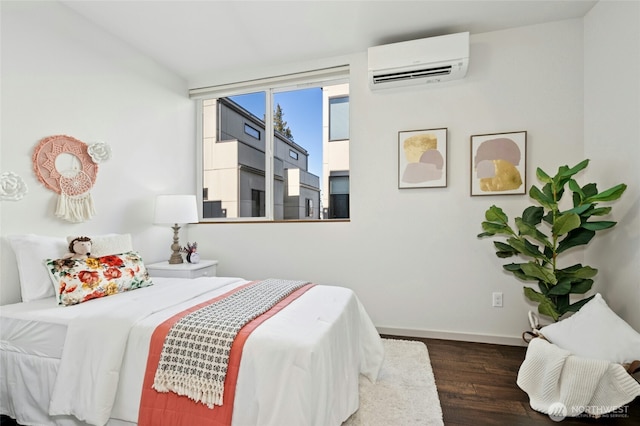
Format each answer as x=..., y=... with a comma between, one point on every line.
x=77, y=281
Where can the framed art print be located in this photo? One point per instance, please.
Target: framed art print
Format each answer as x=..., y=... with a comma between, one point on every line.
x=498, y=163
x=422, y=158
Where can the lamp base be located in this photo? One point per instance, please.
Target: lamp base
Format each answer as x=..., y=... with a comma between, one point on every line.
x=176, y=257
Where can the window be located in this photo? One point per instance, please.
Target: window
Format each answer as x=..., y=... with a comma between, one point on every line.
x=309, y=207
x=339, y=197
x=257, y=203
x=339, y=118
x=264, y=152
x=251, y=131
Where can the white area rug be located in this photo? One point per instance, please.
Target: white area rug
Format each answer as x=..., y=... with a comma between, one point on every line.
x=405, y=393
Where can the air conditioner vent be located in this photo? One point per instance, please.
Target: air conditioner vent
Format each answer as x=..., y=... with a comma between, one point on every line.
x=398, y=76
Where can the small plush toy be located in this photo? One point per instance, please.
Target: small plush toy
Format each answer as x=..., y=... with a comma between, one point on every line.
x=80, y=249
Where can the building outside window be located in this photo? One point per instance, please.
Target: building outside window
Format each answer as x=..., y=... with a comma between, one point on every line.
x=259, y=161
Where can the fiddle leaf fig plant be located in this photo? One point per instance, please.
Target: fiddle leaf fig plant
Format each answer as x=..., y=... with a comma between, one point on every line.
x=544, y=232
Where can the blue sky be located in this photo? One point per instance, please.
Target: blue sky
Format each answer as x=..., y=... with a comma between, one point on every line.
x=303, y=113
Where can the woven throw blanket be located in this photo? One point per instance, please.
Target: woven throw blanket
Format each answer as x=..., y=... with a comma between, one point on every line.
x=195, y=354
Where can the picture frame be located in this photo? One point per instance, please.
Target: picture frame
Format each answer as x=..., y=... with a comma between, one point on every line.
x=498, y=163
x=422, y=158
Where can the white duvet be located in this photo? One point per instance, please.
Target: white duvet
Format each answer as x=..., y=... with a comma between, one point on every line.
x=300, y=367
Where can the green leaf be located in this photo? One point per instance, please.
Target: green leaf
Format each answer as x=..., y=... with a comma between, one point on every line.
x=561, y=303
x=573, y=185
x=521, y=275
x=533, y=215
x=516, y=270
x=546, y=190
x=578, y=271
x=541, y=198
x=579, y=304
x=581, y=286
x=579, y=209
x=609, y=195
x=590, y=189
x=533, y=295
x=577, y=237
x=545, y=305
x=601, y=211
x=504, y=250
x=504, y=254
x=547, y=309
x=598, y=225
x=562, y=288
x=532, y=269
x=525, y=247
x=495, y=214
x=496, y=228
x=531, y=231
x=575, y=169
x=542, y=176
x=511, y=267
x=565, y=223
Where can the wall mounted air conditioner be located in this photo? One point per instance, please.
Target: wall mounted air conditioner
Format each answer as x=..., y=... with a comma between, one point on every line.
x=428, y=60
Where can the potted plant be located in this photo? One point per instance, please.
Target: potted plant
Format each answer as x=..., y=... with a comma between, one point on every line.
x=544, y=232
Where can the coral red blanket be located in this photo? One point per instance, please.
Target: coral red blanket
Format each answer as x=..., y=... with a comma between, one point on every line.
x=170, y=409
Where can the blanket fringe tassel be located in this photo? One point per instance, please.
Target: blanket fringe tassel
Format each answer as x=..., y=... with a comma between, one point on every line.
x=194, y=388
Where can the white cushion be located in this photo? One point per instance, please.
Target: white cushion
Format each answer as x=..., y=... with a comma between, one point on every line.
x=596, y=332
x=103, y=245
x=30, y=251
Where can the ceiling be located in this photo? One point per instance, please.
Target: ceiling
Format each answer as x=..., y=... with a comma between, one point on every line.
x=193, y=38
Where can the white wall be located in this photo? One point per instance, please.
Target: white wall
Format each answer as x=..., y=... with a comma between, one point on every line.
x=60, y=75
x=612, y=142
x=412, y=256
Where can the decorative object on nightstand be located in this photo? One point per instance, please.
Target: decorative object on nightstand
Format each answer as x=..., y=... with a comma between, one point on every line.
x=176, y=209
x=204, y=268
x=192, y=252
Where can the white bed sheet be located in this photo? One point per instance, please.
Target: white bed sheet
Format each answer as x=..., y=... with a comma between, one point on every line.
x=33, y=328
x=315, y=382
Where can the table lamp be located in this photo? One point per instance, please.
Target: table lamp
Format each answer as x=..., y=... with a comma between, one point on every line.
x=176, y=209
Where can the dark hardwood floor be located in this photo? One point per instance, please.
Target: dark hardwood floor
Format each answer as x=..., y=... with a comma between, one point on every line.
x=477, y=386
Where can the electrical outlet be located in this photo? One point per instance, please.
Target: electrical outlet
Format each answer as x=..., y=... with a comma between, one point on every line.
x=497, y=299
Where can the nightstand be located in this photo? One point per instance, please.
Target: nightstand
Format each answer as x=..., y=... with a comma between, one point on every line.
x=204, y=268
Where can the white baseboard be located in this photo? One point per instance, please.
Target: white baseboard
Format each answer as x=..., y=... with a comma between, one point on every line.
x=448, y=335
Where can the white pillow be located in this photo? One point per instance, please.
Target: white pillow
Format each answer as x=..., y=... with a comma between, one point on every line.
x=30, y=251
x=104, y=245
x=596, y=332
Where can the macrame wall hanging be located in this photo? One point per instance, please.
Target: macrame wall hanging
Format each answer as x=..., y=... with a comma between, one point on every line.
x=69, y=167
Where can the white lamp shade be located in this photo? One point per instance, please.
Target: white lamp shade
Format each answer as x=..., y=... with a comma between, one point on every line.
x=176, y=209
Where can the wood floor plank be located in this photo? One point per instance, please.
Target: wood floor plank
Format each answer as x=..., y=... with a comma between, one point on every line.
x=456, y=387
x=477, y=386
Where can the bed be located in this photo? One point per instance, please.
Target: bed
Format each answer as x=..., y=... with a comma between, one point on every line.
x=87, y=361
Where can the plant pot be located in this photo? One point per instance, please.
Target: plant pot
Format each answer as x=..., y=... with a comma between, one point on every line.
x=193, y=257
